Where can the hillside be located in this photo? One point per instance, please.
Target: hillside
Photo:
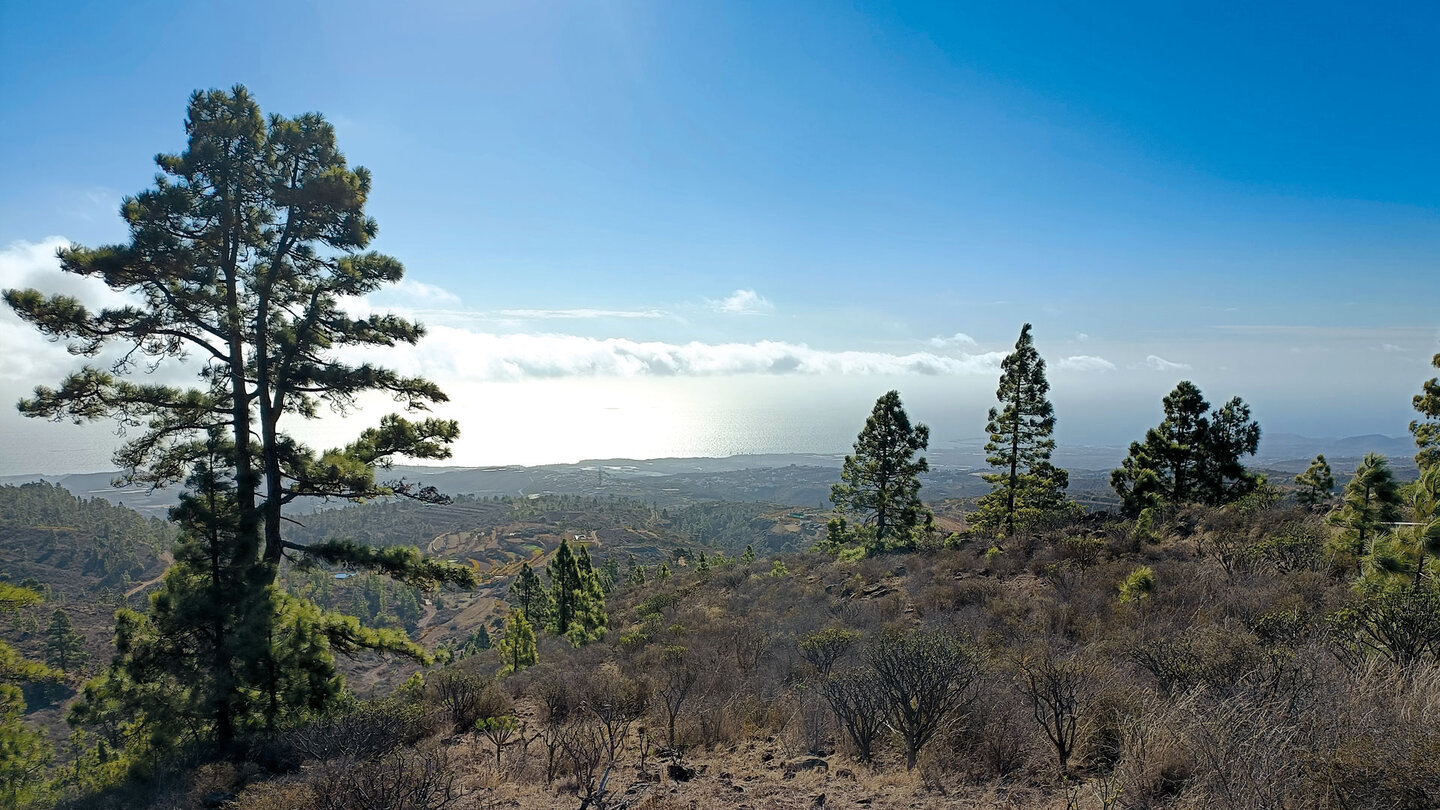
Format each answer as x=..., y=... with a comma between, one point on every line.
x=1232, y=679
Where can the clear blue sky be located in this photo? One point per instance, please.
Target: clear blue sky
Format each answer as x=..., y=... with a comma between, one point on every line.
x=1246, y=196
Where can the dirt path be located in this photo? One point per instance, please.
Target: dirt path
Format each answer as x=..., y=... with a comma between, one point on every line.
x=165, y=557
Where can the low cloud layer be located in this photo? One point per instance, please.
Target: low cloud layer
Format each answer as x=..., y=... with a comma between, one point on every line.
x=448, y=352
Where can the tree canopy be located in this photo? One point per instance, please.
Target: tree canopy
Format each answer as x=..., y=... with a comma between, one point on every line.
x=1316, y=483
x=1427, y=428
x=238, y=266
x=1193, y=456
x=1026, y=487
x=880, y=481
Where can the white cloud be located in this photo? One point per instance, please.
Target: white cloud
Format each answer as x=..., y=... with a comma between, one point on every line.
x=1081, y=337
x=1391, y=347
x=1085, y=362
x=1159, y=363
x=449, y=353
x=743, y=302
x=420, y=291
x=957, y=339
x=567, y=314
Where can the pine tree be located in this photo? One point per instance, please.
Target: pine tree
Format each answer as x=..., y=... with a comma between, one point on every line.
x=1027, y=487
x=517, y=646
x=528, y=594
x=749, y=555
x=1316, y=483
x=64, y=648
x=240, y=261
x=1427, y=430
x=565, y=589
x=1193, y=456
x=880, y=481
x=24, y=753
x=1370, y=502
x=590, y=619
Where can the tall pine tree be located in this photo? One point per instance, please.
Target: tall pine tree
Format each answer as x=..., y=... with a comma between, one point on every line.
x=1026, y=487
x=880, y=481
x=577, y=599
x=528, y=594
x=239, y=263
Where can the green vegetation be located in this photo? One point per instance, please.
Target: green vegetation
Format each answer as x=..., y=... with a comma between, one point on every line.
x=1192, y=456
x=1427, y=428
x=50, y=529
x=64, y=647
x=241, y=255
x=1027, y=489
x=517, y=646
x=1369, y=504
x=880, y=481
x=24, y=753
x=577, y=600
x=1316, y=484
x=1213, y=647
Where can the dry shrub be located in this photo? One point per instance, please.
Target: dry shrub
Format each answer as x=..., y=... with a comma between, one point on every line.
x=364, y=731
x=466, y=696
x=415, y=779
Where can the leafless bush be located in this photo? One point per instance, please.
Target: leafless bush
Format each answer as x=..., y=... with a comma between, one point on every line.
x=615, y=701
x=926, y=677
x=583, y=743
x=859, y=706
x=466, y=696
x=999, y=737
x=674, y=675
x=364, y=732
x=1058, y=687
x=401, y=780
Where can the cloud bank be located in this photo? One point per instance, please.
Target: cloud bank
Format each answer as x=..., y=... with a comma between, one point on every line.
x=451, y=353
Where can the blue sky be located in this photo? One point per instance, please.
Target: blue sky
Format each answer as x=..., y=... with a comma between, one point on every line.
x=806, y=202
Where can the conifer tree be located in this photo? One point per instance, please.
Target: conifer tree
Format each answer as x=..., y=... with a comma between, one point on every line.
x=1370, y=502
x=517, y=646
x=576, y=596
x=880, y=481
x=24, y=753
x=1427, y=429
x=749, y=555
x=565, y=589
x=1316, y=483
x=239, y=263
x=1026, y=487
x=528, y=594
x=1193, y=456
x=64, y=647
x=590, y=619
